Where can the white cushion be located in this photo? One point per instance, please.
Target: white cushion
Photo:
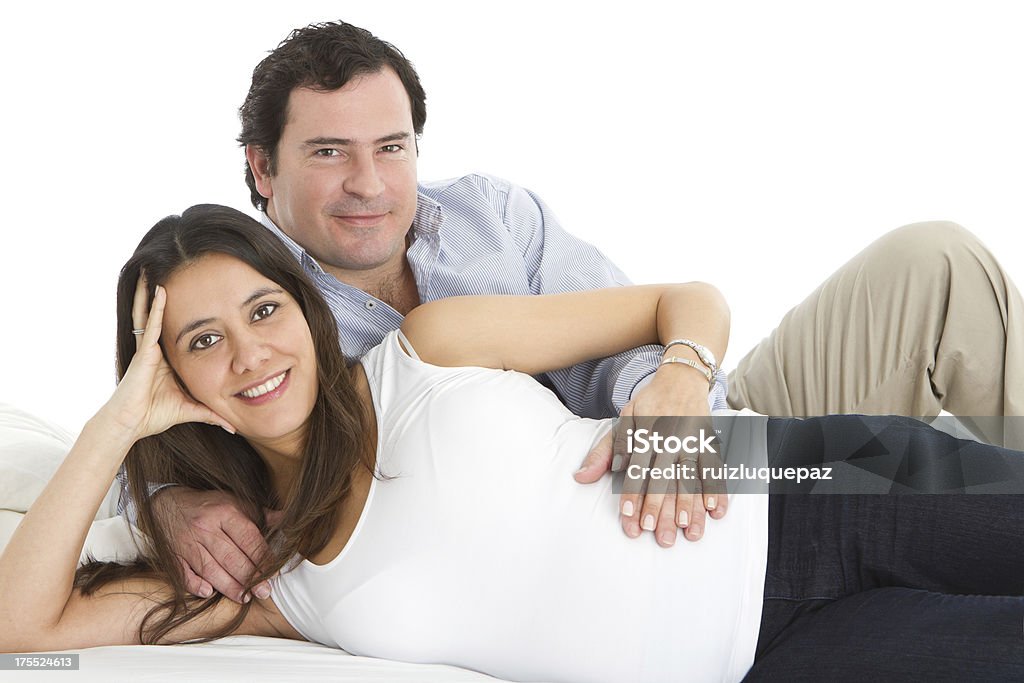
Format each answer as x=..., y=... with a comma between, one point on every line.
x=31, y=450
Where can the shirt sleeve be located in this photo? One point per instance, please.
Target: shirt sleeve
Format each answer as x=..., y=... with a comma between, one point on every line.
x=558, y=262
x=126, y=506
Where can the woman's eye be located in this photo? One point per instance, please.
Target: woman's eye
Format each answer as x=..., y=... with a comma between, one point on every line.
x=204, y=341
x=263, y=311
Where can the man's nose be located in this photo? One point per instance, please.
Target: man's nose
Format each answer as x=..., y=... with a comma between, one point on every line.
x=364, y=178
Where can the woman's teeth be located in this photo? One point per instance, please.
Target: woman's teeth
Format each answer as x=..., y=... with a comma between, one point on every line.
x=264, y=388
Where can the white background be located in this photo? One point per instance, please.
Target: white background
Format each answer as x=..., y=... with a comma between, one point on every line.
x=754, y=145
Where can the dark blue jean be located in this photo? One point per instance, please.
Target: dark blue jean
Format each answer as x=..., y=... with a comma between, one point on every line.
x=889, y=587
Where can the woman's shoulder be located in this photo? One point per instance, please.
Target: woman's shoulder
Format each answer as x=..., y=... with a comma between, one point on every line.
x=395, y=361
x=393, y=376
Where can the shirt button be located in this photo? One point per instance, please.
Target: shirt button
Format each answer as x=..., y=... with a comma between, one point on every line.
x=370, y=304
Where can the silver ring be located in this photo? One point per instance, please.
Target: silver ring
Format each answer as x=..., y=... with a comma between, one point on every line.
x=138, y=331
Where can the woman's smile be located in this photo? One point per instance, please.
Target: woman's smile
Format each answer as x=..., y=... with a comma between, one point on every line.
x=265, y=392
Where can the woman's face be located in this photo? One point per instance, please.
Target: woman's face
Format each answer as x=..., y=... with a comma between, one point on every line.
x=241, y=345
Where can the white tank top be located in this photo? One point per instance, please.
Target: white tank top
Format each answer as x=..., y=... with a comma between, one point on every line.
x=481, y=550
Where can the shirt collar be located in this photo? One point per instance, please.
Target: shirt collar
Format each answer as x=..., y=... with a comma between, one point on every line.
x=293, y=246
x=426, y=222
x=429, y=216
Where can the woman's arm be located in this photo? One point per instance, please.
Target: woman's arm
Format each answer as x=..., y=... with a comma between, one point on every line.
x=536, y=334
x=39, y=609
x=541, y=333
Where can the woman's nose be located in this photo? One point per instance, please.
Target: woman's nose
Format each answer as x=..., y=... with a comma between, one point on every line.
x=250, y=353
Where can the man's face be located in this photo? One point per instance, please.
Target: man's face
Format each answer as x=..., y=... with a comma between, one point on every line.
x=344, y=185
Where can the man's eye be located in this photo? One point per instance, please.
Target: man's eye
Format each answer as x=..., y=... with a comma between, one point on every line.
x=263, y=311
x=204, y=341
x=326, y=152
x=391, y=149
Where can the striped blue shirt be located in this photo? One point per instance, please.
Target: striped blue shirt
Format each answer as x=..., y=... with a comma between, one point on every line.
x=482, y=235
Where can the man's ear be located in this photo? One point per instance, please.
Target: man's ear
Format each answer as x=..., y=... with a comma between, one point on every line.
x=259, y=163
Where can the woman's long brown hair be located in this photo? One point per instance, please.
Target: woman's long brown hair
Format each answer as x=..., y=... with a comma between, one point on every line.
x=202, y=456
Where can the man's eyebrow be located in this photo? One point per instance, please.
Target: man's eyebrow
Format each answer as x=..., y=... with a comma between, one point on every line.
x=394, y=137
x=196, y=324
x=344, y=142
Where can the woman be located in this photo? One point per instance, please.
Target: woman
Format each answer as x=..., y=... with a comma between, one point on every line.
x=398, y=536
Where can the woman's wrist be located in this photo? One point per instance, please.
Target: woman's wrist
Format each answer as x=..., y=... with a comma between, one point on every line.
x=685, y=365
x=680, y=379
x=106, y=425
x=708, y=376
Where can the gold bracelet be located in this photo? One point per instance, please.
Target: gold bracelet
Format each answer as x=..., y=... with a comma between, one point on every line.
x=693, y=364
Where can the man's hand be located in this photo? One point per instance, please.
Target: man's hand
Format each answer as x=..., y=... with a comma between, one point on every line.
x=217, y=544
x=668, y=504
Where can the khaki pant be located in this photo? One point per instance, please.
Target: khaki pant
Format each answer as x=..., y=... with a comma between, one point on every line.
x=922, y=320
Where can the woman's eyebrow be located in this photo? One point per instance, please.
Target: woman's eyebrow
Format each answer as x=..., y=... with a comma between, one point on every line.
x=260, y=293
x=196, y=324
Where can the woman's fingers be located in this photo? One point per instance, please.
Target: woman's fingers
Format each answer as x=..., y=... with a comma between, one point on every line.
x=666, y=533
x=660, y=495
x=206, y=415
x=716, y=499
x=652, y=505
x=698, y=519
x=165, y=403
x=629, y=512
x=156, y=398
x=684, y=509
x=155, y=319
x=140, y=308
x=716, y=504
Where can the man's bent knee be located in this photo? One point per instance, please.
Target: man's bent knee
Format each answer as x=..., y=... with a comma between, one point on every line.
x=927, y=239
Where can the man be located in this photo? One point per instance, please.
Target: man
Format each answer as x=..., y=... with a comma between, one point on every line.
x=330, y=128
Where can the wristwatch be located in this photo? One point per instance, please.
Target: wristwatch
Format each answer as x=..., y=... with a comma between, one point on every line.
x=705, y=355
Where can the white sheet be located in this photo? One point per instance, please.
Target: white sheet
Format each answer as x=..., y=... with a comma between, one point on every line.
x=240, y=658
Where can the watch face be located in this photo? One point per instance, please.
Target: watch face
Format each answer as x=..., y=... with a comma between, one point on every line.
x=705, y=355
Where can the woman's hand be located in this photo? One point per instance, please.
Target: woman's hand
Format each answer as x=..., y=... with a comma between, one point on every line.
x=148, y=400
x=674, y=403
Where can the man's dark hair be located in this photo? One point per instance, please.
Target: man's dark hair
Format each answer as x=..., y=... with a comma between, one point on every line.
x=321, y=57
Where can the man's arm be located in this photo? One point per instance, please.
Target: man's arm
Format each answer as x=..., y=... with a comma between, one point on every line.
x=555, y=262
x=218, y=545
